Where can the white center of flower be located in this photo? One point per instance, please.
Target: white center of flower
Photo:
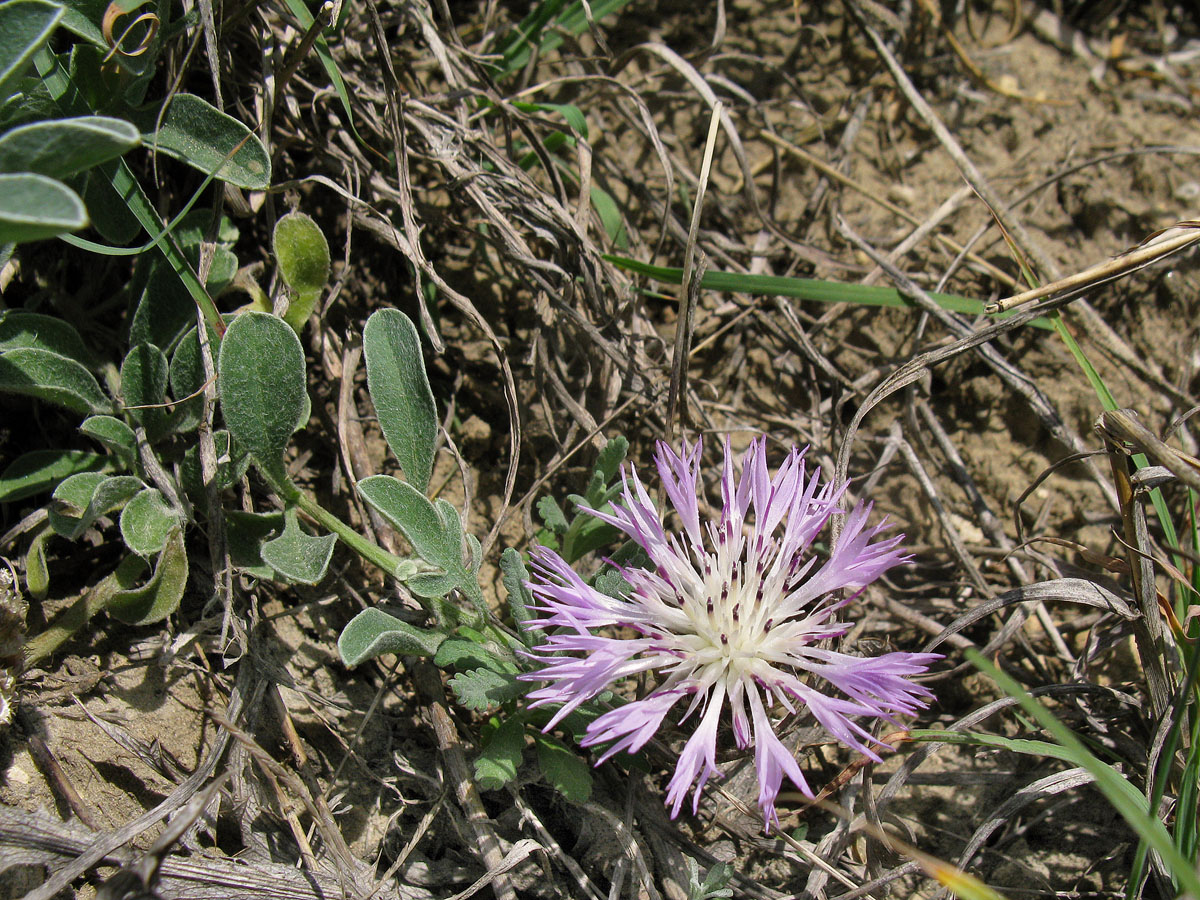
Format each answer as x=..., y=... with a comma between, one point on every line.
x=729, y=616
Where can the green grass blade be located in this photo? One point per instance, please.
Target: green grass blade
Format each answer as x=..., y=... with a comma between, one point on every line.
x=68, y=96
x=534, y=31
x=803, y=288
x=1109, y=402
x=1124, y=797
x=321, y=45
x=1185, y=837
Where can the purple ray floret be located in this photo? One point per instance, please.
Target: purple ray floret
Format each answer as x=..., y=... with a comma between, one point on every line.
x=732, y=615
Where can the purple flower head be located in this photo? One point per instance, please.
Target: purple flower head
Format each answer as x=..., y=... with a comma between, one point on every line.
x=732, y=614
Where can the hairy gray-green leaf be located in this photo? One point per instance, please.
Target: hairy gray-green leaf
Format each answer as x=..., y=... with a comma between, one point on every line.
x=520, y=598
x=608, y=464
x=400, y=391
x=232, y=464
x=147, y=521
x=197, y=133
x=165, y=310
x=303, y=256
x=188, y=378
x=373, y=632
x=160, y=596
x=144, y=375
x=55, y=379
x=563, y=769
x=37, y=572
x=431, y=535
x=81, y=499
x=246, y=533
x=193, y=228
x=34, y=207
x=61, y=147
x=41, y=470
x=552, y=514
x=261, y=380
x=19, y=328
x=467, y=655
x=113, y=433
x=297, y=556
x=485, y=689
x=433, y=529
x=25, y=26
x=500, y=757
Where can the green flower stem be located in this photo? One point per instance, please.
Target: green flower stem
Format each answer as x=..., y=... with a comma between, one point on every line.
x=399, y=568
x=390, y=563
x=79, y=613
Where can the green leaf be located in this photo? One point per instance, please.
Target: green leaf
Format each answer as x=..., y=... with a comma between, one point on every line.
x=34, y=207
x=586, y=534
x=500, y=757
x=160, y=596
x=81, y=499
x=37, y=572
x=114, y=434
x=41, y=470
x=572, y=114
x=197, y=133
x=373, y=632
x=467, y=655
x=188, y=378
x=435, y=532
x=411, y=511
x=608, y=462
x=543, y=28
x=303, y=256
x=552, y=514
x=147, y=521
x=84, y=18
x=261, y=381
x=609, y=212
x=564, y=770
x=297, y=556
x=520, y=598
x=484, y=689
x=25, y=27
x=144, y=375
x=609, y=580
x=610, y=583
x=231, y=466
x=93, y=63
x=61, y=147
x=165, y=310
x=19, y=328
x=107, y=207
x=803, y=288
x=321, y=48
x=715, y=881
x=190, y=231
x=245, y=533
x=55, y=379
x=400, y=391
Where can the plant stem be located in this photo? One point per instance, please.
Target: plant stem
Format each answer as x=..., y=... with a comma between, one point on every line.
x=390, y=563
x=79, y=613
